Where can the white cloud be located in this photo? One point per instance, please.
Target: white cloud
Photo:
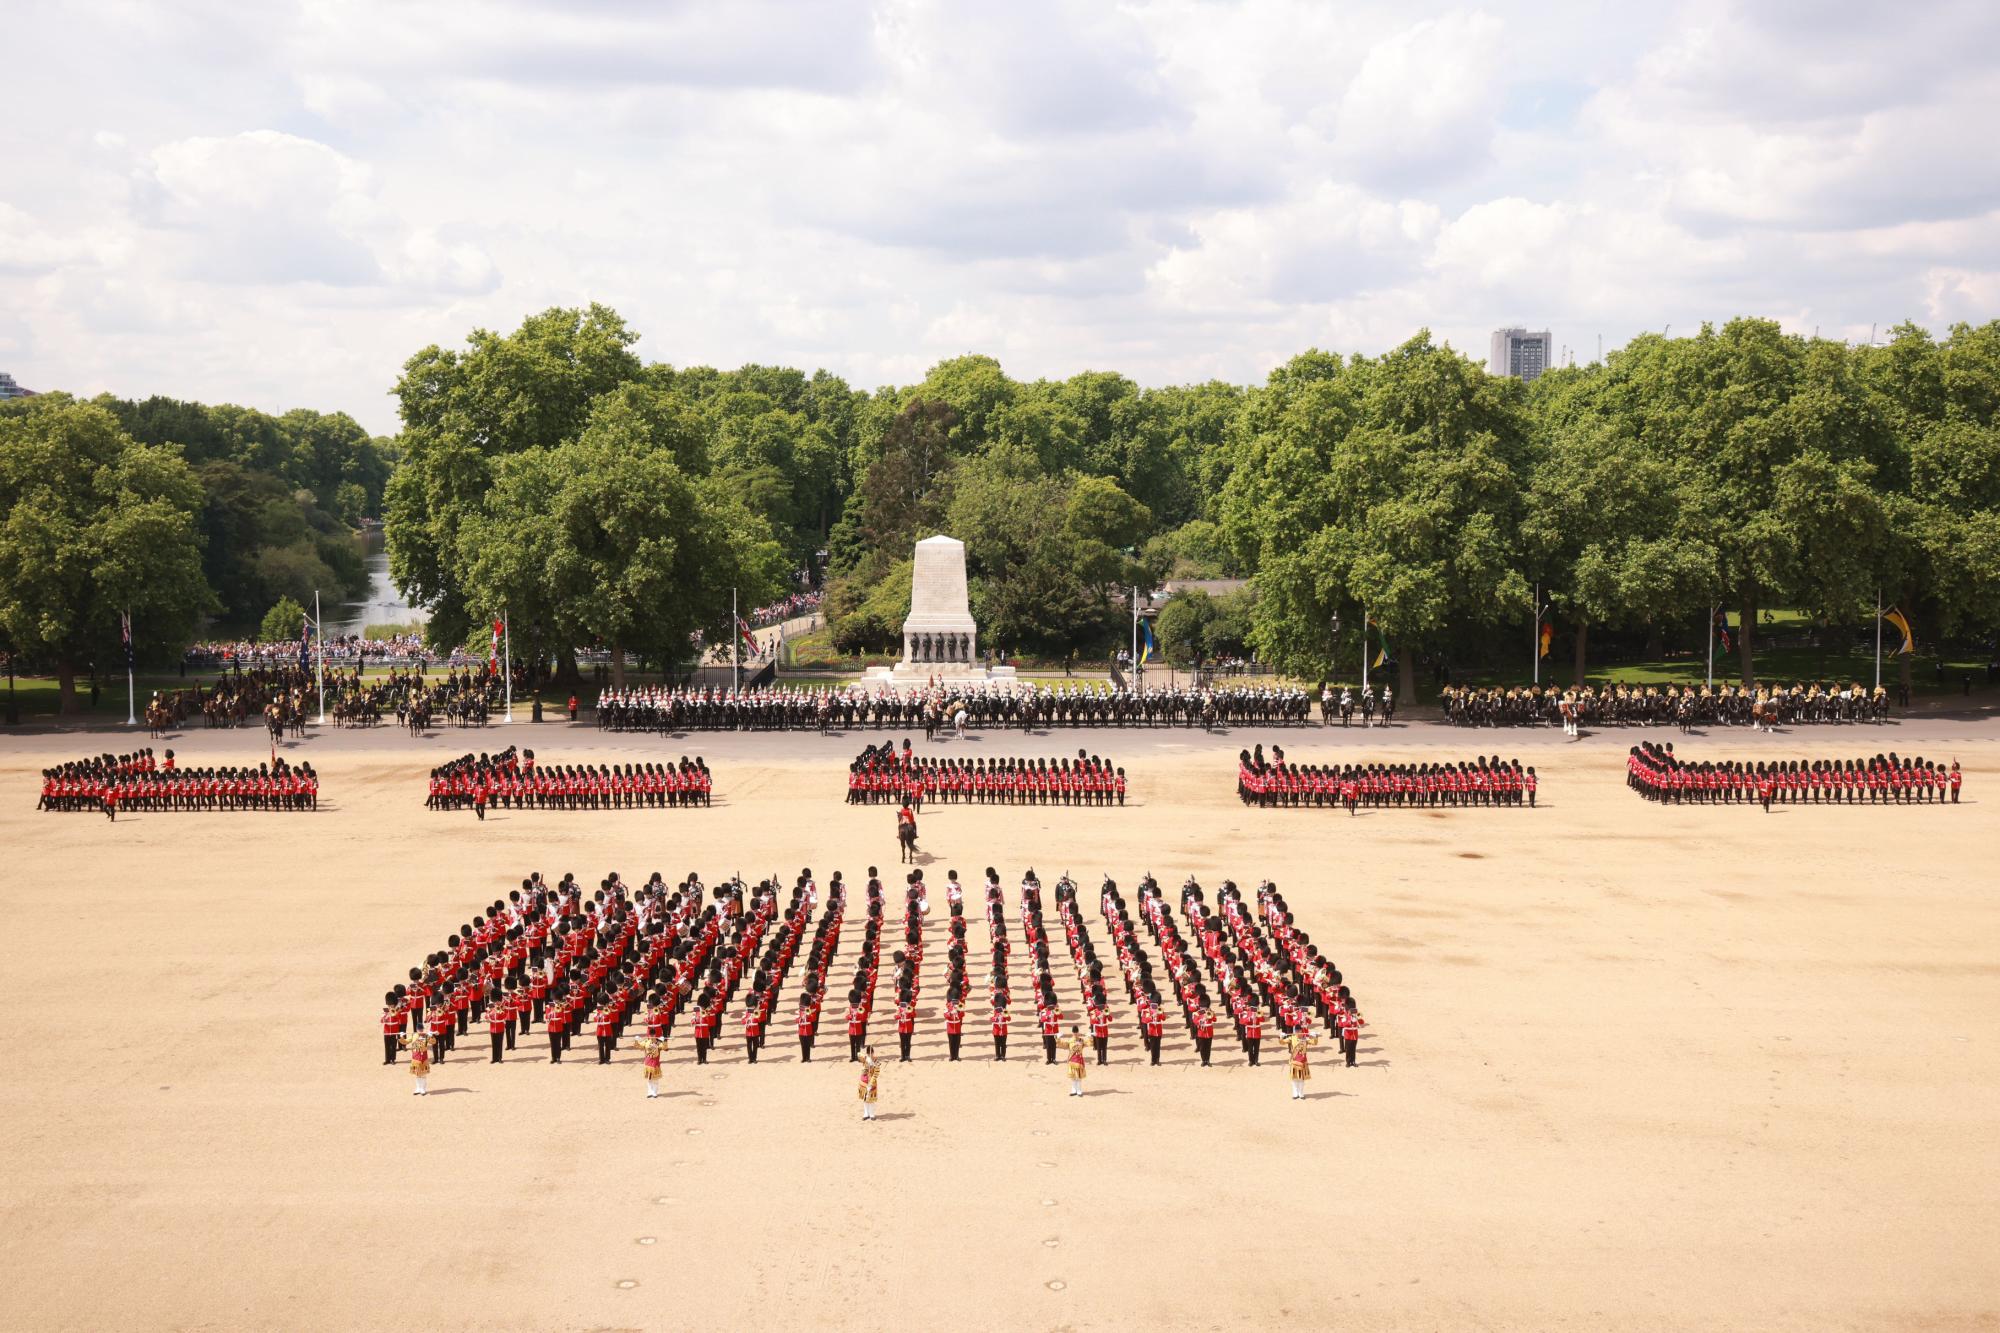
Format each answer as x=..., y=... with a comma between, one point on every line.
x=279, y=204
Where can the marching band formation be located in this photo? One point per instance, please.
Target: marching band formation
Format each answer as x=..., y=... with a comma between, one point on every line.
x=621, y=958
x=1657, y=774
x=110, y=783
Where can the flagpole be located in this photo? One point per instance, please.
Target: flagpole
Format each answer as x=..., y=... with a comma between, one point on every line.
x=1364, y=647
x=1878, y=636
x=1535, y=635
x=319, y=642
x=1137, y=666
x=133, y=715
x=735, y=641
x=1712, y=612
x=507, y=657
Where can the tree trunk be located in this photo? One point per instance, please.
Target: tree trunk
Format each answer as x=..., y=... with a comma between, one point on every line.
x=66, y=687
x=1745, y=650
x=617, y=666
x=1406, y=676
x=1582, y=637
x=566, y=668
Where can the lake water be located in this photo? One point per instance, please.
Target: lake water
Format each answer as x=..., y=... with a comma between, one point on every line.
x=384, y=605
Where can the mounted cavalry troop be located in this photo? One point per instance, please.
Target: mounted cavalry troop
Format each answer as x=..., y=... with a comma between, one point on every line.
x=1684, y=706
x=660, y=708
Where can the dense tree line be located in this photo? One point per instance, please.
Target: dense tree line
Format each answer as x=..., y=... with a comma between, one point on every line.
x=185, y=514
x=1743, y=467
x=1409, y=497
x=551, y=475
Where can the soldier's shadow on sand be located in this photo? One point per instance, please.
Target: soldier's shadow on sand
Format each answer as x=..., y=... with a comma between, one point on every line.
x=1316, y=1096
x=446, y=1092
x=898, y=1115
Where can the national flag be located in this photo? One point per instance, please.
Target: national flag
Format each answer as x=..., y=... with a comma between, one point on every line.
x=1901, y=622
x=499, y=628
x=1148, y=650
x=1722, y=629
x=1382, y=655
x=125, y=633
x=749, y=639
x=1548, y=633
x=305, y=641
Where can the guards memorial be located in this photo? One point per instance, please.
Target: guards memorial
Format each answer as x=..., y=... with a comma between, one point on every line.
x=939, y=638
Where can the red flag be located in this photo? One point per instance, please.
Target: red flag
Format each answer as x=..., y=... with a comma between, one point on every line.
x=749, y=639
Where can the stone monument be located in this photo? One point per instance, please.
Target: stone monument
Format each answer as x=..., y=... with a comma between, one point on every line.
x=939, y=638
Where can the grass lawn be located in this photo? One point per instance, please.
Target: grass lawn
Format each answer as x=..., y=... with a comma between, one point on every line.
x=1780, y=666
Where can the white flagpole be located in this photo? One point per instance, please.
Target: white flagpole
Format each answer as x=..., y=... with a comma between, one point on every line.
x=1136, y=667
x=507, y=657
x=1364, y=646
x=735, y=642
x=133, y=715
x=319, y=642
x=1535, y=633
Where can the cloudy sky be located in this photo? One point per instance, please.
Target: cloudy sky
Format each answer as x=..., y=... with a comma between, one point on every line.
x=276, y=203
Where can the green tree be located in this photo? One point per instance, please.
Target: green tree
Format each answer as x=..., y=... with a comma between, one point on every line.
x=1390, y=485
x=282, y=623
x=95, y=524
x=533, y=388
x=618, y=545
x=1182, y=626
x=906, y=489
x=1602, y=528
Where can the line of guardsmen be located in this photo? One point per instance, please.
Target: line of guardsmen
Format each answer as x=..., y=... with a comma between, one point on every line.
x=1656, y=773
x=509, y=780
x=107, y=784
x=883, y=775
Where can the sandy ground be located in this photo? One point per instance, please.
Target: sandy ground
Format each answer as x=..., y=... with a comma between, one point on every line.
x=1628, y=1067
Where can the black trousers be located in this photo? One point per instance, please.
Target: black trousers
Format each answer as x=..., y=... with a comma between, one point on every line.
x=1153, y=1048
x=1202, y=1044
x=604, y=1050
x=952, y=1039
x=1103, y=1048
x=806, y=1049
x=999, y=1048
x=1348, y=1047
x=903, y=1039
x=1250, y=1045
x=498, y=1038
x=389, y=1049
x=853, y=1047
x=555, y=1048
x=1049, y=1047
